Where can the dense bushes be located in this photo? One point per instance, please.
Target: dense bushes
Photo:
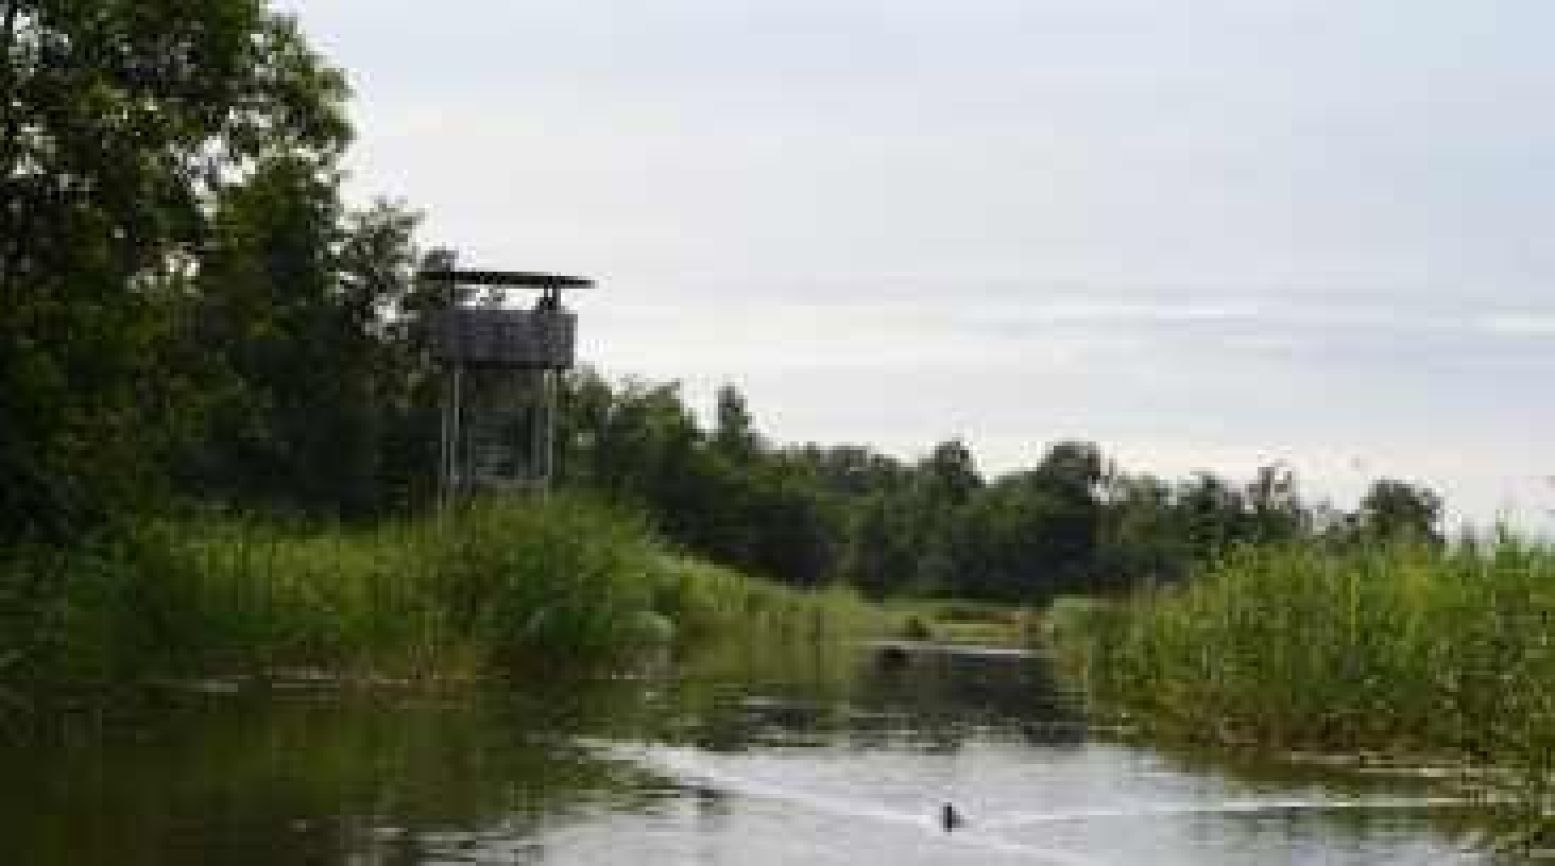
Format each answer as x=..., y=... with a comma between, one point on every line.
x=500, y=585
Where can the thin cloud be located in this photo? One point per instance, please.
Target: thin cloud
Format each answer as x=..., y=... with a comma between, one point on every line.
x=1520, y=324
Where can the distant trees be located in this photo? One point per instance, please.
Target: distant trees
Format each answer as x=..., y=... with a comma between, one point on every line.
x=719, y=491
x=1071, y=523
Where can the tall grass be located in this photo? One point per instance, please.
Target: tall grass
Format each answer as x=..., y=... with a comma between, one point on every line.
x=1403, y=648
x=521, y=586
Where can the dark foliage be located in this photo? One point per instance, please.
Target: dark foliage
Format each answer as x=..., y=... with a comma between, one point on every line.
x=1073, y=523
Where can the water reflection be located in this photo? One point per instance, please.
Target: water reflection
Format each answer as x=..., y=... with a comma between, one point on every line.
x=923, y=698
x=302, y=778
x=753, y=757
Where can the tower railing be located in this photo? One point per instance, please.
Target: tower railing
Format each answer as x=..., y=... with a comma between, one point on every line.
x=502, y=369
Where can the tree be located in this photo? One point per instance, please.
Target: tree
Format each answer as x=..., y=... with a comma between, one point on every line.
x=378, y=263
x=880, y=554
x=323, y=389
x=734, y=434
x=119, y=119
x=1211, y=513
x=853, y=471
x=948, y=476
x=1393, y=509
x=1142, y=539
x=1067, y=484
x=267, y=313
x=793, y=530
x=1072, y=468
x=1275, y=511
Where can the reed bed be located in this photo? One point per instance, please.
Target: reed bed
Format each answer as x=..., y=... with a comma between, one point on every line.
x=563, y=584
x=1405, y=649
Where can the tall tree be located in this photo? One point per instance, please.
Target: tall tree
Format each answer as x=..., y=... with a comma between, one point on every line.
x=1069, y=479
x=378, y=263
x=301, y=307
x=734, y=433
x=118, y=121
x=948, y=476
x=1275, y=511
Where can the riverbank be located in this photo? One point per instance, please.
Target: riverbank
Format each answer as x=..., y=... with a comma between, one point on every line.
x=498, y=587
x=1399, y=649
x=963, y=621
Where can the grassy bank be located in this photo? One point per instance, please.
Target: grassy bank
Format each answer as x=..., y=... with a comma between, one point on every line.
x=1404, y=649
x=962, y=621
x=499, y=586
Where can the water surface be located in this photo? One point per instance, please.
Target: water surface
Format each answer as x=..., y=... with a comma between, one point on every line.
x=757, y=760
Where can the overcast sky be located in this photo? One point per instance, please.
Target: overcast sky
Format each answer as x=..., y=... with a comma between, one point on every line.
x=1207, y=234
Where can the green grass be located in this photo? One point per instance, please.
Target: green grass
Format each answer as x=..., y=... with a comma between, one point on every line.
x=500, y=586
x=1411, y=650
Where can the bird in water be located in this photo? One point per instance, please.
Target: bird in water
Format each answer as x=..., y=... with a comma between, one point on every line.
x=949, y=818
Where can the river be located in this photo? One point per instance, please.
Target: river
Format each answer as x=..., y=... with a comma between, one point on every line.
x=807, y=759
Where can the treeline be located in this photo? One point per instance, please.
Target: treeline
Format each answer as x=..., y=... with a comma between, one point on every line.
x=192, y=317
x=1072, y=523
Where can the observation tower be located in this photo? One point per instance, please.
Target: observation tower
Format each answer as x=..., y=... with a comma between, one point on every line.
x=502, y=367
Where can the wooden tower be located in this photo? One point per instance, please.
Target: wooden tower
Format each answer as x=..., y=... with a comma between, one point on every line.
x=502, y=367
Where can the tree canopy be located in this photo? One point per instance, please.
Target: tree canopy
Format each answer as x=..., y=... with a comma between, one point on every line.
x=120, y=123
x=1074, y=522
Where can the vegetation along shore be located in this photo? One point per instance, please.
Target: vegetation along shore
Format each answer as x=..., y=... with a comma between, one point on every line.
x=563, y=584
x=1413, y=650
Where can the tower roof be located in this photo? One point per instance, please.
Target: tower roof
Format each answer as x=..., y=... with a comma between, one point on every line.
x=513, y=279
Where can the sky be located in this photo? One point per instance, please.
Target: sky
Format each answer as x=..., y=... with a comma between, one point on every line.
x=1207, y=234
